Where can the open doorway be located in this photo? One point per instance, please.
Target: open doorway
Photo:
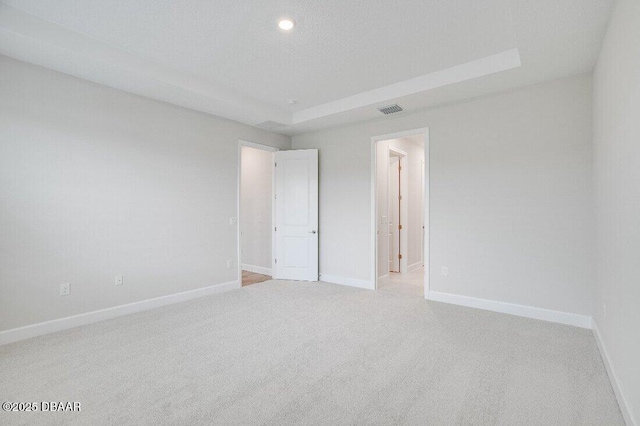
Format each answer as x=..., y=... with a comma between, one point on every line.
x=277, y=214
x=255, y=212
x=400, y=211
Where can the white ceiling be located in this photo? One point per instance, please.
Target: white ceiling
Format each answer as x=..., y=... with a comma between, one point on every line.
x=344, y=58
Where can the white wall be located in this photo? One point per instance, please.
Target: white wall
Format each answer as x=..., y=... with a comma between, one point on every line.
x=95, y=182
x=413, y=225
x=415, y=197
x=617, y=181
x=511, y=195
x=256, y=208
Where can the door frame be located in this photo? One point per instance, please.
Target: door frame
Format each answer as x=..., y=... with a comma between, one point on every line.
x=242, y=143
x=374, y=202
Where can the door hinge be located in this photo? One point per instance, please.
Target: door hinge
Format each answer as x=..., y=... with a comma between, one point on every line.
x=399, y=226
x=399, y=256
x=276, y=261
x=275, y=196
x=275, y=164
x=275, y=229
x=399, y=197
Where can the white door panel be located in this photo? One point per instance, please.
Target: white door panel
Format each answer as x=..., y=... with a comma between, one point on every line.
x=296, y=215
x=394, y=214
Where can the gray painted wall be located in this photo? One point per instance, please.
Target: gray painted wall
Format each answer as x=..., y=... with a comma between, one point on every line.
x=617, y=181
x=95, y=182
x=511, y=195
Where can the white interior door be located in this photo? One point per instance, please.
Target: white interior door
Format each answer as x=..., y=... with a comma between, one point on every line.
x=296, y=215
x=394, y=214
x=422, y=211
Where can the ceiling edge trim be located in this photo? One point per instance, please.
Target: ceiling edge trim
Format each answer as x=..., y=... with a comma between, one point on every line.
x=31, y=39
x=502, y=61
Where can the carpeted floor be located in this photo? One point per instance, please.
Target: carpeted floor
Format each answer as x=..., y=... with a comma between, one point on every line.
x=306, y=353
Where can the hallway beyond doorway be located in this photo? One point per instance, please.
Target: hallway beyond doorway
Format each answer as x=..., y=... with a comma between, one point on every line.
x=411, y=283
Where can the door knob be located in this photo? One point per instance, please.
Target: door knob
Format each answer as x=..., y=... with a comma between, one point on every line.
x=312, y=232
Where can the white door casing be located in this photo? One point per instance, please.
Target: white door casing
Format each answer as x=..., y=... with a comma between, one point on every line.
x=296, y=215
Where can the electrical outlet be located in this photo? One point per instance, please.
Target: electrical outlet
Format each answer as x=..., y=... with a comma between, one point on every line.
x=233, y=221
x=445, y=271
x=119, y=279
x=65, y=289
x=229, y=264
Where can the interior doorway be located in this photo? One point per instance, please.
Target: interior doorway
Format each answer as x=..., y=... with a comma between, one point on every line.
x=255, y=212
x=400, y=212
x=277, y=214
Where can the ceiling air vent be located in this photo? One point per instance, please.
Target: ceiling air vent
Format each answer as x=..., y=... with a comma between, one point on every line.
x=390, y=109
x=270, y=125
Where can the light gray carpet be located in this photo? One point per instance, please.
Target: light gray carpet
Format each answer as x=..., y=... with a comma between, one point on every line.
x=306, y=353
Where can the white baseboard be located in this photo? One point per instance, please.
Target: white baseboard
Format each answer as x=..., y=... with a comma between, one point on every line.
x=415, y=267
x=624, y=405
x=257, y=269
x=26, y=332
x=582, y=321
x=382, y=277
x=351, y=282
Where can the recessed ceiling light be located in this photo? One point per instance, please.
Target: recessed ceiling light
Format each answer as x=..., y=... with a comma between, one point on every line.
x=292, y=101
x=286, y=24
